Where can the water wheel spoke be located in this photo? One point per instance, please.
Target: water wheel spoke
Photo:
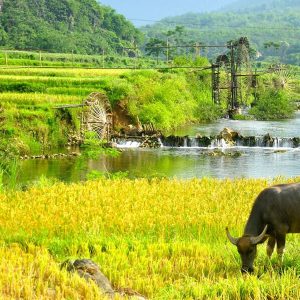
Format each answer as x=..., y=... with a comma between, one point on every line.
x=97, y=115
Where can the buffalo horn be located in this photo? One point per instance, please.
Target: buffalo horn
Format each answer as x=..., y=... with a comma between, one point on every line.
x=233, y=240
x=257, y=239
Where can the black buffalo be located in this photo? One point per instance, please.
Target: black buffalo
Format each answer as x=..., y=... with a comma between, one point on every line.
x=275, y=212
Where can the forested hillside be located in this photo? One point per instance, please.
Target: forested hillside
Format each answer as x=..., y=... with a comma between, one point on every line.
x=262, y=5
x=82, y=26
x=273, y=28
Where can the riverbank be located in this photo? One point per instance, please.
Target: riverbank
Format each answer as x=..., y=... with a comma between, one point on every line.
x=29, y=95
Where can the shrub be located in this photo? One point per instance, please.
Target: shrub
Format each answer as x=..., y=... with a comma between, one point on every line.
x=273, y=105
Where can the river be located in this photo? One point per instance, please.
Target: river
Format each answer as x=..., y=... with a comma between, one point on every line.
x=187, y=162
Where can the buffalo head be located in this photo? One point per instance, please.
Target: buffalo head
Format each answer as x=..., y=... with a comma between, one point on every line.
x=246, y=246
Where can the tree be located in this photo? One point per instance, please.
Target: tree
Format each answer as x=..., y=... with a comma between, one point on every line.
x=155, y=47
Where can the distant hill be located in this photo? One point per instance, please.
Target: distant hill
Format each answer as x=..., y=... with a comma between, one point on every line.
x=273, y=27
x=82, y=26
x=261, y=5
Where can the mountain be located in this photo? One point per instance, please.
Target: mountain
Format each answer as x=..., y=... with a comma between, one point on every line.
x=261, y=5
x=273, y=27
x=82, y=26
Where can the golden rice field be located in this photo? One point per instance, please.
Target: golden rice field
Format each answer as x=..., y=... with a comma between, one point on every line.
x=163, y=238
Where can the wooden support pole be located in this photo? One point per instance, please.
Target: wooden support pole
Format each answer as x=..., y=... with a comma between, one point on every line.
x=135, y=56
x=6, y=58
x=233, y=85
x=41, y=58
x=255, y=88
x=198, y=50
x=103, y=59
x=167, y=51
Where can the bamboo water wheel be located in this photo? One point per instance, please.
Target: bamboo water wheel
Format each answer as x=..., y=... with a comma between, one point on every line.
x=233, y=78
x=283, y=78
x=223, y=84
x=97, y=115
x=245, y=78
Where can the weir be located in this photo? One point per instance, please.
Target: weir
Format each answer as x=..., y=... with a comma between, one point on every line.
x=214, y=142
x=172, y=141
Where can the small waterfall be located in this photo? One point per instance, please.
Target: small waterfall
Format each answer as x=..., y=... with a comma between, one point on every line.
x=127, y=144
x=265, y=141
x=214, y=142
x=185, y=142
x=285, y=143
x=219, y=143
x=275, y=142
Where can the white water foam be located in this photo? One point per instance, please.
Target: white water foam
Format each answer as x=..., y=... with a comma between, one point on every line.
x=128, y=144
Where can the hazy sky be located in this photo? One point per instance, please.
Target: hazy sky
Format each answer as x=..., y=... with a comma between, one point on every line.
x=158, y=9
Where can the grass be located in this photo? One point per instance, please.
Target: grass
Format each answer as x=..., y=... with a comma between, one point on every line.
x=163, y=238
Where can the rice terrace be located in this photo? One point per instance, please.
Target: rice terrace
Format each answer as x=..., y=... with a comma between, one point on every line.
x=144, y=156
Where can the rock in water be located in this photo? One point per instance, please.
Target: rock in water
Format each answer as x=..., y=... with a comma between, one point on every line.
x=90, y=271
x=229, y=135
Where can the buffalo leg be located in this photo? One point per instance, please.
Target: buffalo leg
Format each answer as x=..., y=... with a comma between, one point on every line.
x=270, y=246
x=280, y=246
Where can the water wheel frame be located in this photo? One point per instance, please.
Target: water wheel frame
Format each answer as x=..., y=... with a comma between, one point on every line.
x=245, y=82
x=223, y=78
x=97, y=115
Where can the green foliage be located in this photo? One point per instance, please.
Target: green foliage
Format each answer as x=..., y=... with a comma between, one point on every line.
x=242, y=117
x=273, y=105
x=208, y=112
x=44, y=182
x=117, y=89
x=82, y=26
x=171, y=99
x=9, y=163
x=183, y=60
x=159, y=46
x=21, y=87
x=93, y=147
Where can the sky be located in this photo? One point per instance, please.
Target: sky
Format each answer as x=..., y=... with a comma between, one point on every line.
x=136, y=10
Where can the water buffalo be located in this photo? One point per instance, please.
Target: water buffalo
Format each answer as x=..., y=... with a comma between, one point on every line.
x=275, y=212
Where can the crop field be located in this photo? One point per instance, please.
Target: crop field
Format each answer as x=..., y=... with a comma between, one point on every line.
x=28, y=96
x=69, y=60
x=163, y=238
x=50, y=87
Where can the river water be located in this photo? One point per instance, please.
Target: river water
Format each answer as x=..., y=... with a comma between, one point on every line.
x=184, y=162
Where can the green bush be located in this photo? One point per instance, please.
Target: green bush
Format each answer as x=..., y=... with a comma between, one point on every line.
x=22, y=87
x=169, y=99
x=208, y=112
x=273, y=105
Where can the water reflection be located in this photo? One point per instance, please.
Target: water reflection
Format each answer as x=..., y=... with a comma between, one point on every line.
x=179, y=163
